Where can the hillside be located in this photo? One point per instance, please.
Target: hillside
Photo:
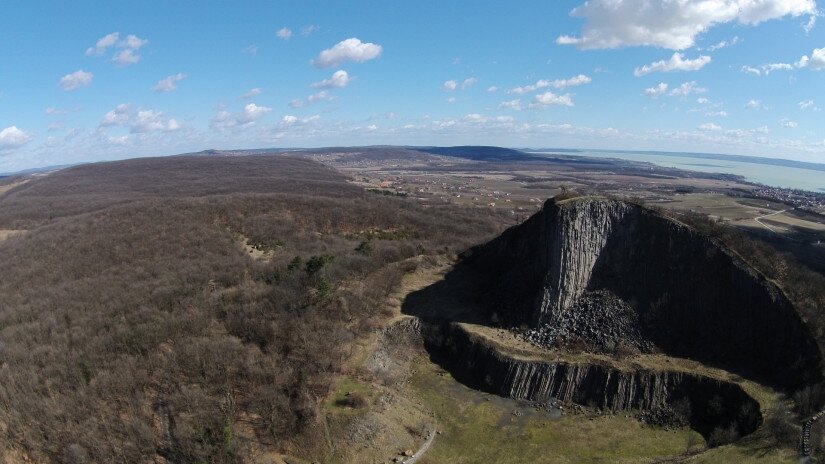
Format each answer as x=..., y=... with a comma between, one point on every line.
x=194, y=309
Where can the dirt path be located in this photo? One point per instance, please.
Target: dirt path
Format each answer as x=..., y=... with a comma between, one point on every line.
x=426, y=446
x=757, y=219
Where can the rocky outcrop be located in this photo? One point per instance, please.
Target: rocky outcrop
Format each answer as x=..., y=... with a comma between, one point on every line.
x=694, y=297
x=476, y=362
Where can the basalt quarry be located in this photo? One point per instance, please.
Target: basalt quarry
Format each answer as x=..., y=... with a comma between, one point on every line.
x=597, y=273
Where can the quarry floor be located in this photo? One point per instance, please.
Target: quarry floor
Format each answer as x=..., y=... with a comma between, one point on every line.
x=409, y=396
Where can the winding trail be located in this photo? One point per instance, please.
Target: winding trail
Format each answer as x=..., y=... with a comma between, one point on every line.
x=757, y=219
x=426, y=446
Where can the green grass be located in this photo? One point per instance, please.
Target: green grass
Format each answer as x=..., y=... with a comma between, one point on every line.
x=483, y=428
x=334, y=403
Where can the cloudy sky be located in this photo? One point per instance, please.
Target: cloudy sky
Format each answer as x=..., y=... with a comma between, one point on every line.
x=85, y=81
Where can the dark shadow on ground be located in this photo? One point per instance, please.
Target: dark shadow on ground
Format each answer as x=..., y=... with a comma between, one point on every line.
x=459, y=297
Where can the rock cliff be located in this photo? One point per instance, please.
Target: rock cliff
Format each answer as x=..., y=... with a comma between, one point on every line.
x=711, y=402
x=694, y=297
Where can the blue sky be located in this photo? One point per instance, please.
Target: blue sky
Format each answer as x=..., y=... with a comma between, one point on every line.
x=85, y=81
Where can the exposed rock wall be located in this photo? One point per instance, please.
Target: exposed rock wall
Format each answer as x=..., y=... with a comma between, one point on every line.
x=713, y=403
x=694, y=297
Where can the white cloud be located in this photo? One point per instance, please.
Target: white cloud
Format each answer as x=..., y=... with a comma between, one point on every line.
x=709, y=127
x=132, y=42
x=659, y=89
x=252, y=93
x=754, y=104
x=722, y=44
x=672, y=24
x=816, y=61
x=451, y=85
x=307, y=30
x=76, y=80
x=289, y=120
x=677, y=62
x=126, y=57
x=251, y=50
x=284, y=33
x=805, y=105
x=128, y=48
x=581, y=79
x=12, y=137
x=320, y=96
x=809, y=26
x=169, y=83
x=492, y=89
x=549, y=98
x=702, y=101
x=337, y=80
x=297, y=103
x=721, y=113
x=766, y=69
x=686, y=89
x=253, y=111
x=787, y=123
x=103, y=44
x=347, y=50
x=511, y=104
x=138, y=122
x=223, y=119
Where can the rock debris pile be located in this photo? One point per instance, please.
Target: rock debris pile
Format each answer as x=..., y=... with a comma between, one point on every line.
x=598, y=322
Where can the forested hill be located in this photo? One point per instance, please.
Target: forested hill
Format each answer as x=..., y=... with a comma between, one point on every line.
x=194, y=308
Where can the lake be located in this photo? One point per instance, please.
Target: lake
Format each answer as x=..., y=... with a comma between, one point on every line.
x=775, y=176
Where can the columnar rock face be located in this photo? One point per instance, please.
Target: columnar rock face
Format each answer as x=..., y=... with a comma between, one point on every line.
x=695, y=298
x=477, y=362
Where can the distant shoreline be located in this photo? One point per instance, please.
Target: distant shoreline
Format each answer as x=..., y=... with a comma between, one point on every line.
x=714, y=156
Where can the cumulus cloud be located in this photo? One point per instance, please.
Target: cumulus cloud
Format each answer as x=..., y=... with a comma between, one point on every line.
x=133, y=42
x=223, y=119
x=670, y=24
x=252, y=93
x=138, y=121
x=347, y=50
x=581, y=79
x=808, y=105
x=754, y=104
x=766, y=69
x=709, y=127
x=337, y=80
x=103, y=44
x=451, y=85
x=284, y=33
x=816, y=61
x=659, y=89
x=686, y=89
x=787, y=123
x=128, y=54
x=492, y=89
x=549, y=98
x=320, y=96
x=511, y=104
x=677, y=62
x=12, y=137
x=126, y=57
x=169, y=83
x=76, y=80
